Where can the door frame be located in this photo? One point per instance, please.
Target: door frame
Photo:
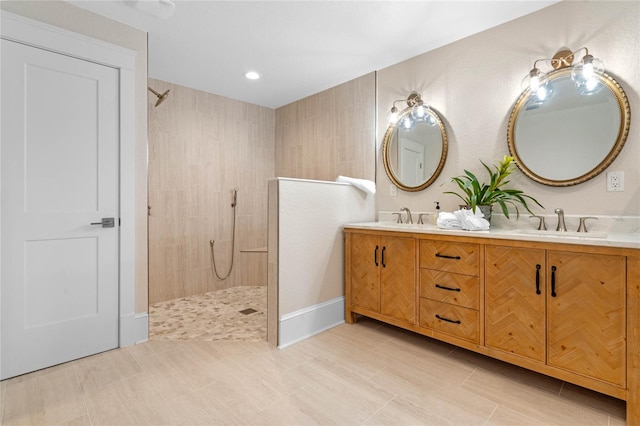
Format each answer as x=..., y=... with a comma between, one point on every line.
x=37, y=34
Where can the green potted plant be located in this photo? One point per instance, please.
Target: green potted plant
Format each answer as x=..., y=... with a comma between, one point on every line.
x=477, y=194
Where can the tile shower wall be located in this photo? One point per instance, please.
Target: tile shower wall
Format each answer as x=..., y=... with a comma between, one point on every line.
x=201, y=146
x=329, y=134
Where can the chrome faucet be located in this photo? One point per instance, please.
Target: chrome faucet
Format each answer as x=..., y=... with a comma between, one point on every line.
x=541, y=225
x=583, y=227
x=409, y=219
x=561, y=226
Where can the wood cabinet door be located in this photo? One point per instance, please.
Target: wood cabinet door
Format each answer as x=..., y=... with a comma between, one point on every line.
x=515, y=301
x=365, y=272
x=397, y=269
x=586, y=314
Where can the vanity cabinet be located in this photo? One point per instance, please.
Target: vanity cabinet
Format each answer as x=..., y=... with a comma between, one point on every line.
x=564, y=309
x=382, y=277
x=560, y=308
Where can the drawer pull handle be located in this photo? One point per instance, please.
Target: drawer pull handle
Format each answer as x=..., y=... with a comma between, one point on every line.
x=447, y=288
x=553, y=281
x=375, y=256
x=537, y=279
x=382, y=259
x=447, y=320
x=447, y=257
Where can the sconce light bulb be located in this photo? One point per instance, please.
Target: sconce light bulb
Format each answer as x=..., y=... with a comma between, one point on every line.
x=588, y=68
x=534, y=80
x=534, y=83
x=585, y=75
x=419, y=111
x=587, y=71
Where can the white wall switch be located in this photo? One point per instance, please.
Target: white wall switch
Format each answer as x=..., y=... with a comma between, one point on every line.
x=615, y=181
x=393, y=191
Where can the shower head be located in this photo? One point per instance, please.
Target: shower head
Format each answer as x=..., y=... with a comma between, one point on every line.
x=161, y=97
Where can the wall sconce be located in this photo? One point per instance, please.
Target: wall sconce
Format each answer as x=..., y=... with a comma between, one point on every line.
x=419, y=111
x=585, y=73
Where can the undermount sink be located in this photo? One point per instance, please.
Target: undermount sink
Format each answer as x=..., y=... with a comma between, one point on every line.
x=560, y=234
x=399, y=225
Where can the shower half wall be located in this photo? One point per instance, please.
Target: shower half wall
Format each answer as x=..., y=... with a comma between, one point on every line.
x=201, y=146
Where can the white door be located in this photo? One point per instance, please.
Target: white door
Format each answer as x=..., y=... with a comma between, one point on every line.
x=411, y=162
x=59, y=174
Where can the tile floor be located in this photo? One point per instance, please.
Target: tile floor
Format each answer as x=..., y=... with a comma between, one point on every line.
x=216, y=315
x=366, y=373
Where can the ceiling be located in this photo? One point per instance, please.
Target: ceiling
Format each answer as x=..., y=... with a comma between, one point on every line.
x=298, y=47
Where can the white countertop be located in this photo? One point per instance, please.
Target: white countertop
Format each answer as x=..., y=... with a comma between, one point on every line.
x=622, y=240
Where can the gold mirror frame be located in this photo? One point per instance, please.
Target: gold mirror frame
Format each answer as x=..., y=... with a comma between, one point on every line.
x=623, y=131
x=388, y=139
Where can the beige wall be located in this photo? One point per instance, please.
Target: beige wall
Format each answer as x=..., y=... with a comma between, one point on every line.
x=329, y=134
x=74, y=19
x=475, y=82
x=201, y=146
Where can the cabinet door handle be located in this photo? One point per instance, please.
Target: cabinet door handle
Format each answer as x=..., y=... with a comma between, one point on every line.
x=447, y=288
x=375, y=256
x=382, y=257
x=553, y=281
x=447, y=257
x=537, y=279
x=447, y=320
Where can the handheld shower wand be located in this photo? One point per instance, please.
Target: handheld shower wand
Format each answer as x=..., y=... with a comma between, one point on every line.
x=234, y=203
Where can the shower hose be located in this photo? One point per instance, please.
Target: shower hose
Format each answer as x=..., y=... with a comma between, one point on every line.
x=233, y=242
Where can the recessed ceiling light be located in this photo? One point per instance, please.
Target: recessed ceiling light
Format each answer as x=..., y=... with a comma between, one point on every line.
x=252, y=75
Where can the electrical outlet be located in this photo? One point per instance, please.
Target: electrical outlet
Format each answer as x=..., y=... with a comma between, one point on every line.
x=393, y=191
x=615, y=181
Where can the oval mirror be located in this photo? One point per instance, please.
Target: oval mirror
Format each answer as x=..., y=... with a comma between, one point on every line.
x=570, y=136
x=414, y=151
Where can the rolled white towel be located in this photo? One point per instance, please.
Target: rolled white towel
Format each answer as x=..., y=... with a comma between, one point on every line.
x=471, y=221
x=448, y=220
x=365, y=185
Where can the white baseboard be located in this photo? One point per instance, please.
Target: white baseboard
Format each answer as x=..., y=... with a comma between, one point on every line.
x=134, y=329
x=307, y=322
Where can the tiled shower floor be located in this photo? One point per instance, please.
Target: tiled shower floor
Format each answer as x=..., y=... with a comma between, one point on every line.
x=216, y=315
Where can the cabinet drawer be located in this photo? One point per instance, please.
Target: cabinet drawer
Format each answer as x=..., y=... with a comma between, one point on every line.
x=461, y=258
x=461, y=290
x=450, y=319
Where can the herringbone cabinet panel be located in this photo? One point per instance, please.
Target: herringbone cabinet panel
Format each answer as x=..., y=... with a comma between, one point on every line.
x=457, y=289
x=461, y=258
x=365, y=274
x=586, y=319
x=398, y=278
x=515, y=312
x=450, y=319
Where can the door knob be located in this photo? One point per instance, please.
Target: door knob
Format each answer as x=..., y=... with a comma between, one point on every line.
x=107, y=222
